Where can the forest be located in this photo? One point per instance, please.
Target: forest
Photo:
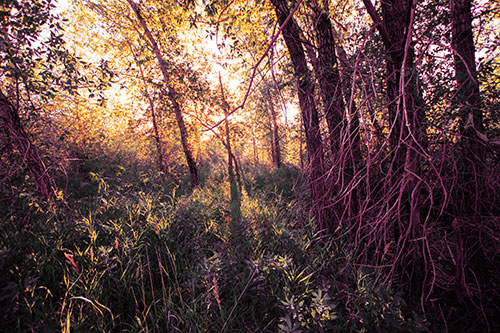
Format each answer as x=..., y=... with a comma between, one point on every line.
x=250, y=165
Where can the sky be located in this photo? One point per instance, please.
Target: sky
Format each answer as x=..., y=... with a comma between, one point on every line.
x=61, y=6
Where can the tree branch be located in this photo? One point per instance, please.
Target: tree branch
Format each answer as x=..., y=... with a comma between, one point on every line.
x=255, y=67
x=378, y=22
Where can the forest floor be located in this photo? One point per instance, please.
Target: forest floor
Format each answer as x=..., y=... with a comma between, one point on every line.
x=125, y=250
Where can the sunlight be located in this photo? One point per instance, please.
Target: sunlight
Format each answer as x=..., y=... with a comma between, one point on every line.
x=61, y=6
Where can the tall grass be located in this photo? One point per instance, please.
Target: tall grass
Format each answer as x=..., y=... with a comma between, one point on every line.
x=126, y=252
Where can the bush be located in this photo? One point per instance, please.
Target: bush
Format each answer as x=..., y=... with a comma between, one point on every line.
x=285, y=181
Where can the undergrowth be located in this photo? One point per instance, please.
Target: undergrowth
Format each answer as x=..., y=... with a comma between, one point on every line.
x=123, y=251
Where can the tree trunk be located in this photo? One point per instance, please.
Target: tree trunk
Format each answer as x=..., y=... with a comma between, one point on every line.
x=291, y=32
x=395, y=14
x=402, y=96
x=271, y=134
x=328, y=77
x=403, y=184
x=156, y=136
x=235, y=193
x=276, y=150
x=353, y=116
x=343, y=128
x=172, y=94
x=159, y=146
x=467, y=100
x=301, y=149
x=394, y=30
x=273, y=122
x=467, y=95
x=254, y=146
x=11, y=123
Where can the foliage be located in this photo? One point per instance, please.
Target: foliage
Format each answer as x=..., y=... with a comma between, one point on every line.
x=285, y=181
x=129, y=254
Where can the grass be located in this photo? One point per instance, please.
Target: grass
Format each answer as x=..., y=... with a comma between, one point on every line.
x=126, y=252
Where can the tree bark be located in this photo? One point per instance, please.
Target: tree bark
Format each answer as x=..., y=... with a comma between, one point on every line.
x=467, y=100
x=172, y=95
x=291, y=34
x=328, y=77
x=462, y=42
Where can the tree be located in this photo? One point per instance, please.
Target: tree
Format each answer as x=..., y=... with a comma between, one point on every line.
x=172, y=94
x=276, y=150
x=267, y=94
x=33, y=68
x=403, y=194
x=327, y=74
x=342, y=124
x=467, y=100
x=305, y=89
x=467, y=95
x=231, y=161
x=17, y=137
x=156, y=132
